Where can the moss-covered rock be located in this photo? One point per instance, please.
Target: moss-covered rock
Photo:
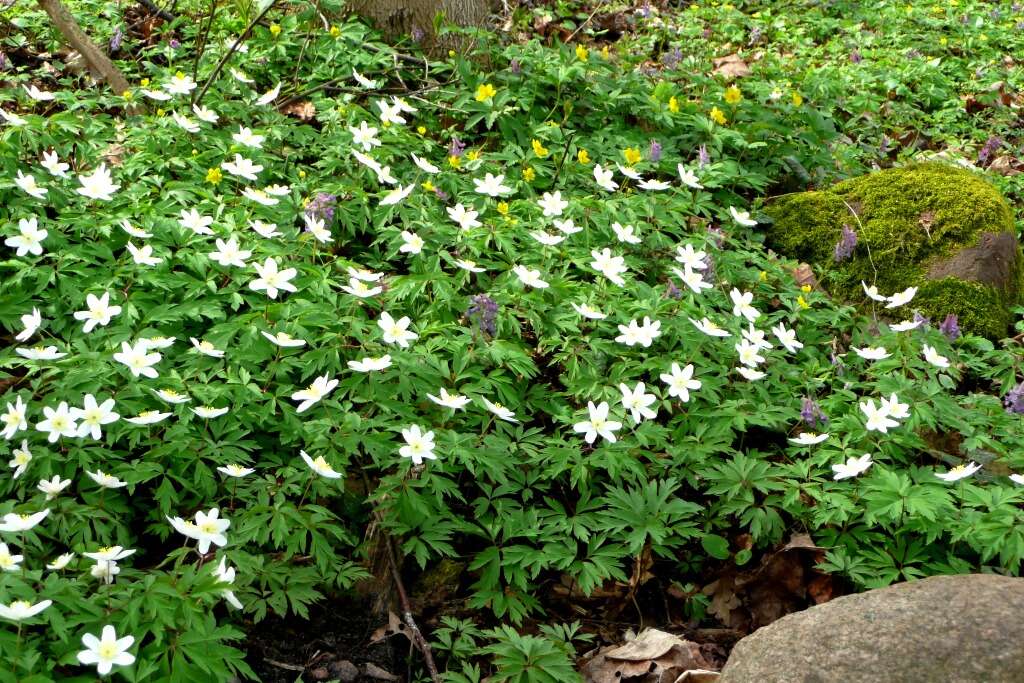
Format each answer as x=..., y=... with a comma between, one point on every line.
x=933, y=226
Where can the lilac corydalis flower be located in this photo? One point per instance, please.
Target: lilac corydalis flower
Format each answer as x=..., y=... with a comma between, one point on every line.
x=991, y=146
x=116, y=39
x=855, y=57
x=811, y=414
x=483, y=310
x=846, y=245
x=671, y=59
x=950, y=327
x=673, y=292
x=918, y=318
x=1014, y=400
x=456, y=148
x=174, y=43
x=655, y=152
x=515, y=67
x=322, y=206
x=703, y=159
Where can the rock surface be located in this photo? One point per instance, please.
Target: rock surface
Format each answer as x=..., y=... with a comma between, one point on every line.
x=933, y=226
x=936, y=630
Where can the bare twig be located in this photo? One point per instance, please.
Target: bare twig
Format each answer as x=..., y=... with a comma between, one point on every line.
x=77, y=38
x=282, y=665
x=152, y=7
x=223, y=60
x=416, y=636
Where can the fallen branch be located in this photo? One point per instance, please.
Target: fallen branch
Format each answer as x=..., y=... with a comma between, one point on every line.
x=417, y=637
x=98, y=62
x=153, y=9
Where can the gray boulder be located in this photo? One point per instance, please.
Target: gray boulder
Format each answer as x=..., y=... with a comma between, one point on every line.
x=941, y=629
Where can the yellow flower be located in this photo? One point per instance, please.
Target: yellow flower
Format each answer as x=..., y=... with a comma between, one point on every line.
x=806, y=289
x=604, y=52
x=451, y=53
x=717, y=116
x=797, y=99
x=427, y=185
x=335, y=31
x=583, y=157
x=802, y=302
x=503, y=208
x=673, y=105
x=733, y=95
x=302, y=174
x=763, y=275
x=473, y=154
x=943, y=40
x=144, y=82
x=582, y=53
x=529, y=174
x=275, y=30
x=454, y=161
x=214, y=176
x=484, y=92
x=539, y=149
x=422, y=130
x=160, y=112
x=127, y=94
x=632, y=155
x=195, y=151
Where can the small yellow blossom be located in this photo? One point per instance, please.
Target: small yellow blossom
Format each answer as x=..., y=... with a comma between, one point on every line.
x=802, y=302
x=422, y=130
x=454, y=161
x=335, y=31
x=473, y=154
x=582, y=53
x=275, y=30
x=503, y=208
x=195, y=151
x=806, y=289
x=604, y=52
x=539, y=149
x=717, y=116
x=583, y=157
x=797, y=99
x=427, y=185
x=127, y=94
x=451, y=53
x=529, y=174
x=214, y=176
x=302, y=174
x=144, y=82
x=673, y=105
x=763, y=275
x=632, y=155
x=733, y=95
x=160, y=112
x=484, y=92
x=943, y=41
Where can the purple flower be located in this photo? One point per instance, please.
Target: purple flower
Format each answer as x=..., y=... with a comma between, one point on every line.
x=456, y=148
x=417, y=34
x=483, y=310
x=322, y=206
x=174, y=43
x=703, y=159
x=846, y=244
x=855, y=57
x=811, y=414
x=3, y=61
x=1014, y=400
x=950, y=327
x=645, y=11
x=515, y=67
x=671, y=59
x=918, y=318
x=673, y=292
x=755, y=36
x=654, y=154
x=441, y=194
x=991, y=146
x=116, y=39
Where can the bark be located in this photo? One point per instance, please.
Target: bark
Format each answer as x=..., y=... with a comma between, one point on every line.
x=397, y=17
x=97, y=61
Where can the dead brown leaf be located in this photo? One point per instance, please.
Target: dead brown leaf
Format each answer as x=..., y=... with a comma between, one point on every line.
x=653, y=656
x=730, y=66
x=302, y=110
x=393, y=627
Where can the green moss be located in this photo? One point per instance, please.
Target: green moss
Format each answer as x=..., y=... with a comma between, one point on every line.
x=905, y=219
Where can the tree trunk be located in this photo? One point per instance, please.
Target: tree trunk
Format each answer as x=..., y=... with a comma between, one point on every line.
x=74, y=35
x=397, y=17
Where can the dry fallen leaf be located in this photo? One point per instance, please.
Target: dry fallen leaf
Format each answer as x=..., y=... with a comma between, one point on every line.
x=393, y=627
x=302, y=110
x=652, y=657
x=730, y=66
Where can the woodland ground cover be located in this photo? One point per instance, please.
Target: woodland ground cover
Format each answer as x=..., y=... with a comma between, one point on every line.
x=509, y=307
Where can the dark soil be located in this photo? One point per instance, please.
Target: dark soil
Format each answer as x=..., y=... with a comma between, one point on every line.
x=332, y=645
